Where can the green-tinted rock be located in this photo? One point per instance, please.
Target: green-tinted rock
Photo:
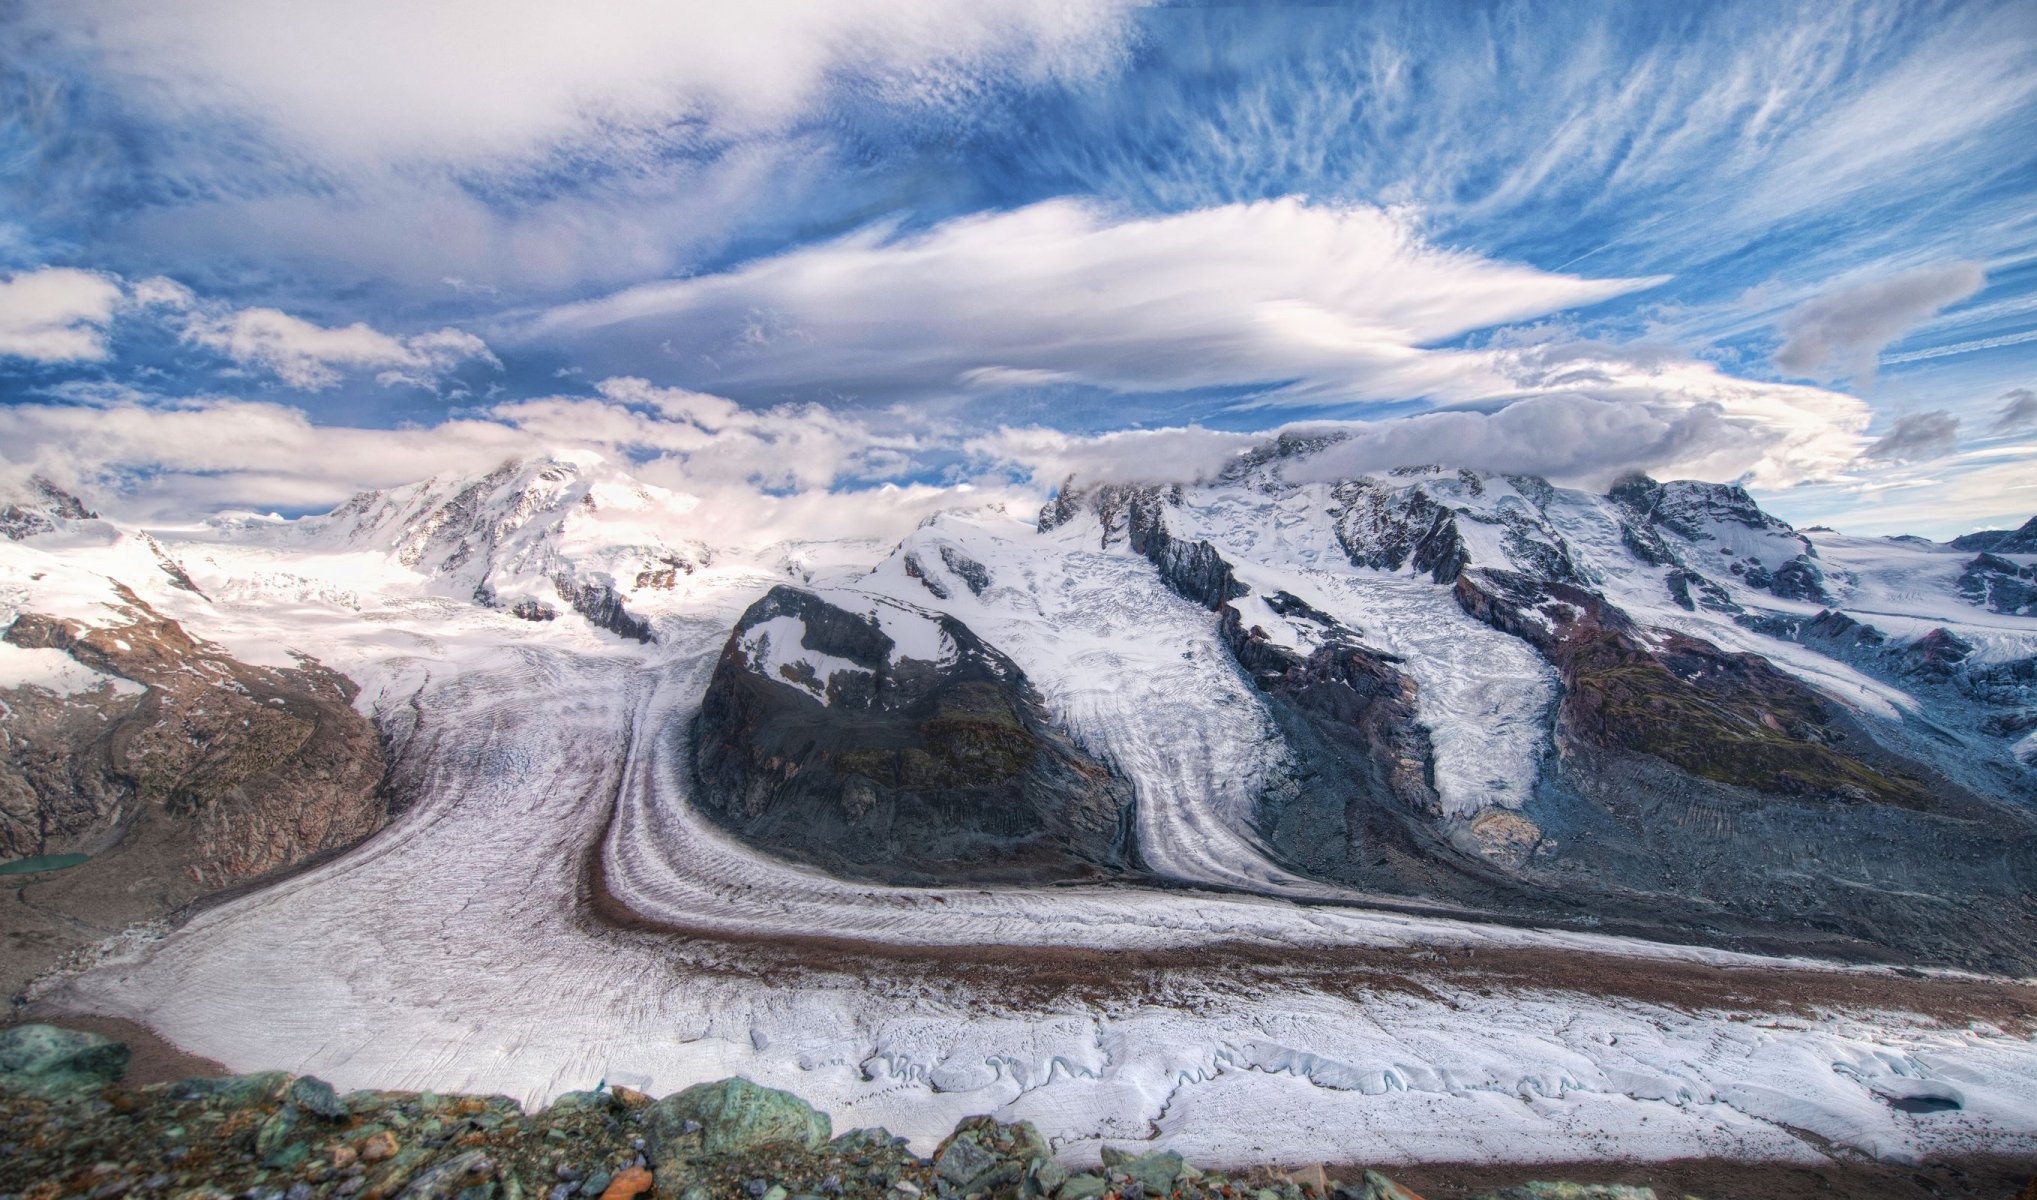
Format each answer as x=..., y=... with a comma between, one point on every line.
x=729, y=1117
x=453, y=1177
x=573, y=1102
x=1083, y=1187
x=57, y=1062
x=236, y=1091
x=1155, y=1172
x=1044, y=1176
x=1546, y=1189
x=276, y=1134
x=315, y=1096
x=1374, y=1186
x=962, y=1160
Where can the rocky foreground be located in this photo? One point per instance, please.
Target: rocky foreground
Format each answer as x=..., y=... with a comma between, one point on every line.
x=70, y=1126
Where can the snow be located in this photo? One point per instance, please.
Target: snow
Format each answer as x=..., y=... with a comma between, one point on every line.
x=775, y=649
x=449, y=950
x=56, y=672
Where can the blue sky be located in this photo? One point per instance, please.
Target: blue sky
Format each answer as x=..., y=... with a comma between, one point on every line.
x=262, y=255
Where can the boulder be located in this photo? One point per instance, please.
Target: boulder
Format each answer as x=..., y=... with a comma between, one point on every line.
x=728, y=1117
x=59, y=1063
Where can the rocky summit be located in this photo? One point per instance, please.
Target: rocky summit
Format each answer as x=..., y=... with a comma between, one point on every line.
x=70, y=1126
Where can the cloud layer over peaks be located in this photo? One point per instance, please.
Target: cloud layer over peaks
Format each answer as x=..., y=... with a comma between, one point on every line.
x=1314, y=301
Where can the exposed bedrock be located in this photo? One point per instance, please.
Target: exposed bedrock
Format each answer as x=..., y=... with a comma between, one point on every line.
x=187, y=772
x=1683, y=770
x=836, y=748
x=1359, y=804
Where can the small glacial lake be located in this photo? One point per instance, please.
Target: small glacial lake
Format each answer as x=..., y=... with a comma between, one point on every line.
x=42, y=862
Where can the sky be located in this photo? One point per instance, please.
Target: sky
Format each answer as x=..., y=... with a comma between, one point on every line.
x=881, y=256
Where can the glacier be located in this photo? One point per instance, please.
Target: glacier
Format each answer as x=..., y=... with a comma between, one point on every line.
x=550, y=910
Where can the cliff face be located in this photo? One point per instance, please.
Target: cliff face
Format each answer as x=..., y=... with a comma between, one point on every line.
x=823, y=740
x=182, y=772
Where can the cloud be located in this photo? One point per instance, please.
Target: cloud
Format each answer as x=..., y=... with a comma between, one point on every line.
x=475, y=82
x=2019, y=412
x=64, y=315
x=1844, y=330
x=1917, y=436
x=1570, y=438
x=1327, y=303
x=312, y=357
x=57, y=315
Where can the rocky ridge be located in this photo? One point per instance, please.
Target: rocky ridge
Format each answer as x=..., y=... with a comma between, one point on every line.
x=185, y=771
x=1685, y=781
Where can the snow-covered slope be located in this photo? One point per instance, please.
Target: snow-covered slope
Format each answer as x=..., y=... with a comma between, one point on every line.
x=554, y=906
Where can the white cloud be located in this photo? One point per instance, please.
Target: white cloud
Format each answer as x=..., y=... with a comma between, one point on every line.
x=1340, y=301
x=56, y=315
x=474, y=81
x=312, y=357
x=1844, y=330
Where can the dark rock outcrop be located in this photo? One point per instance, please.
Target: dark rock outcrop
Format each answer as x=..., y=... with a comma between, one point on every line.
x=1722, y=793
x=603, y=608
x=1996, y=584
x=2022, y=540
x=897, y=769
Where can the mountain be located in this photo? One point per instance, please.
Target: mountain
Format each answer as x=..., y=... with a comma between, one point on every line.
x=1687, y=755
x=142, y=768
x=2001, y=541
x=1658, y=710
x=534, y=537
x=39, y=506
x=897, y=746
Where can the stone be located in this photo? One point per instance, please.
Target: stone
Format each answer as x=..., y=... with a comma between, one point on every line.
x=963, y=1160
x=380, y=1146
x=1044, y=1177
x=628, y=1184
x=275, y=1135
x=59, y=1063
x=446, y=1180
x=1559, y=1189
x=236, y=1091
x=729, y=1117
x=1313, y=1179
x=1374, y=1186
x=1155, y=1172
x=315, y=1096
x=1085, y=1186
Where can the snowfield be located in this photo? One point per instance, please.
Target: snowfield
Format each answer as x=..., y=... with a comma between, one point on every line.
x=479, y=943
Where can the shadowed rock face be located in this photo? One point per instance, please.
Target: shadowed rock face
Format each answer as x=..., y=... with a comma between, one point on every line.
x=893, y=768
x=2001, y=541
x=1683, y=770
x=1360, y=805
x=210, y=774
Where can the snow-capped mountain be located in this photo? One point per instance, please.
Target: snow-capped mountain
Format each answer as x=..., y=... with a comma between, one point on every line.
x=1279, y=709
